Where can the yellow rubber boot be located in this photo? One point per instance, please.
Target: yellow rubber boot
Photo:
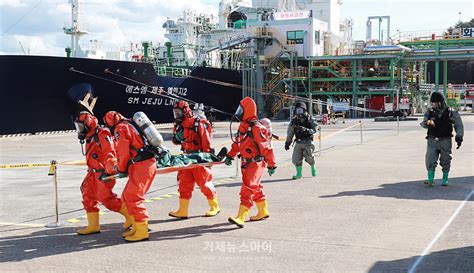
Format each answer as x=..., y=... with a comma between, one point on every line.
x=262, y=213
x=93, y=224
x=131, y=231
x=128, y=219
x=140, y=234
x=182, y=212
x=214, y=207
x=240, y=219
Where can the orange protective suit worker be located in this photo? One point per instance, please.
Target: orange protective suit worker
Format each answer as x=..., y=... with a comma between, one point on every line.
x=252, y=142
x=194, y=135
x=100, y=157
x=141, y=170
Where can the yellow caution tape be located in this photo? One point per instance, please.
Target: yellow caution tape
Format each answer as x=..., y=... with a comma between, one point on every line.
x=33, y=165
x=74, y=162
x=26, y=165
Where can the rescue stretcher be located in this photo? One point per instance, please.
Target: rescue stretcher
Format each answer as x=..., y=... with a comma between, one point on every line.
x=168, y=163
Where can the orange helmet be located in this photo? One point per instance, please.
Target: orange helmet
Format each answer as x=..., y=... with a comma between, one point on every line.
x=112, y=118
x=86, y=124
x=247, y=110
x=181, y=109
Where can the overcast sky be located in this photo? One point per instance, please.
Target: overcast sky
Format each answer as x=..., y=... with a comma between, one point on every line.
x=37, y=24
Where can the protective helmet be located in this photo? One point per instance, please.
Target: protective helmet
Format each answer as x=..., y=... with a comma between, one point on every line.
x=267, y=123
x=436, y=97
x=181, y=109
x=85, y=124
x=112, y=118
x=247, y=110
x=300, y=108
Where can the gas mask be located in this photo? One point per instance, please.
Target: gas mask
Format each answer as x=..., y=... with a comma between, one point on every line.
x=238, y=116
x=178, y=114
x=300, y=113
x=436, y=106
x=82, y=131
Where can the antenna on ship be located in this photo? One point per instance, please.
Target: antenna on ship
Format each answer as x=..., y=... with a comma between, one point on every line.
x=74, y=30
x=23, y=49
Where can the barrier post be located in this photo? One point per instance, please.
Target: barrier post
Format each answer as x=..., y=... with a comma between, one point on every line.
x=53, y=171
x=398, y=125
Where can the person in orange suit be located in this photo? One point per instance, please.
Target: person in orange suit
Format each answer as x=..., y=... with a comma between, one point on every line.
x=253, y=143
x=194, y=135
x=101, y=160
x=140, y=167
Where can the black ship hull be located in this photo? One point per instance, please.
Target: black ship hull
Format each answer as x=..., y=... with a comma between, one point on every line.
x=34, y=90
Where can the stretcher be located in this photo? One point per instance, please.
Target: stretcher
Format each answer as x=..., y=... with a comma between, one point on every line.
x=167, y=163
x=186, y=167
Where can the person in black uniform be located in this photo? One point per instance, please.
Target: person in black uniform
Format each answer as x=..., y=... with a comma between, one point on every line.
x=440, y=120
x=302, y=127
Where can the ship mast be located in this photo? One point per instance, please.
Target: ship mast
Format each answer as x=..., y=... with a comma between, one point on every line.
x=75, y=30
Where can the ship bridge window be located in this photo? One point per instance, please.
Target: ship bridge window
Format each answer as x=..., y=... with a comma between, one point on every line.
x=294, y=37
x=317, y=37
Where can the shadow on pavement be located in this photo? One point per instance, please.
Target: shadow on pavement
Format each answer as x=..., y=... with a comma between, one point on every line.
x=50, y=242
x=458, y=186
x=190, y=232
x=451, y=260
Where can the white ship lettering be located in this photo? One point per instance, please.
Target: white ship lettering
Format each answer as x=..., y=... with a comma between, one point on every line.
x=133, y=100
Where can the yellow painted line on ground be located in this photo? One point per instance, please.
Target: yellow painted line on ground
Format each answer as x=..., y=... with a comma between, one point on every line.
x=167, y=196
x=157, y=198
x=73, y=220
x=148, y=201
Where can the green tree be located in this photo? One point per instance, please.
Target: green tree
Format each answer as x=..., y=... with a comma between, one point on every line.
x=460, y=24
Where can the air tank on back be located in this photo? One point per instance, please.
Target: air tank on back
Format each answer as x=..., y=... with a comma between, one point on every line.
x=148, y=129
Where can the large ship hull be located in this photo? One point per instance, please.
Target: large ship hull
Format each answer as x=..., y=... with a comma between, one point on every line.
x=34, y=90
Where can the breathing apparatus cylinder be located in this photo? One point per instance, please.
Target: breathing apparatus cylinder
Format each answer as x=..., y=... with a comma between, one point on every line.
x=147, y=128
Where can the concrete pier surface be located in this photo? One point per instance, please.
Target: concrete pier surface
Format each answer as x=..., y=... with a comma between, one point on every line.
x=366, y=211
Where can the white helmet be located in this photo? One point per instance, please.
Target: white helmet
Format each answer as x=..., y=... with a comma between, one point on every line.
x=267, y=123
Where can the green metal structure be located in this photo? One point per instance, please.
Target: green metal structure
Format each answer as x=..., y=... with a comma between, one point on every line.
x=354, y=77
